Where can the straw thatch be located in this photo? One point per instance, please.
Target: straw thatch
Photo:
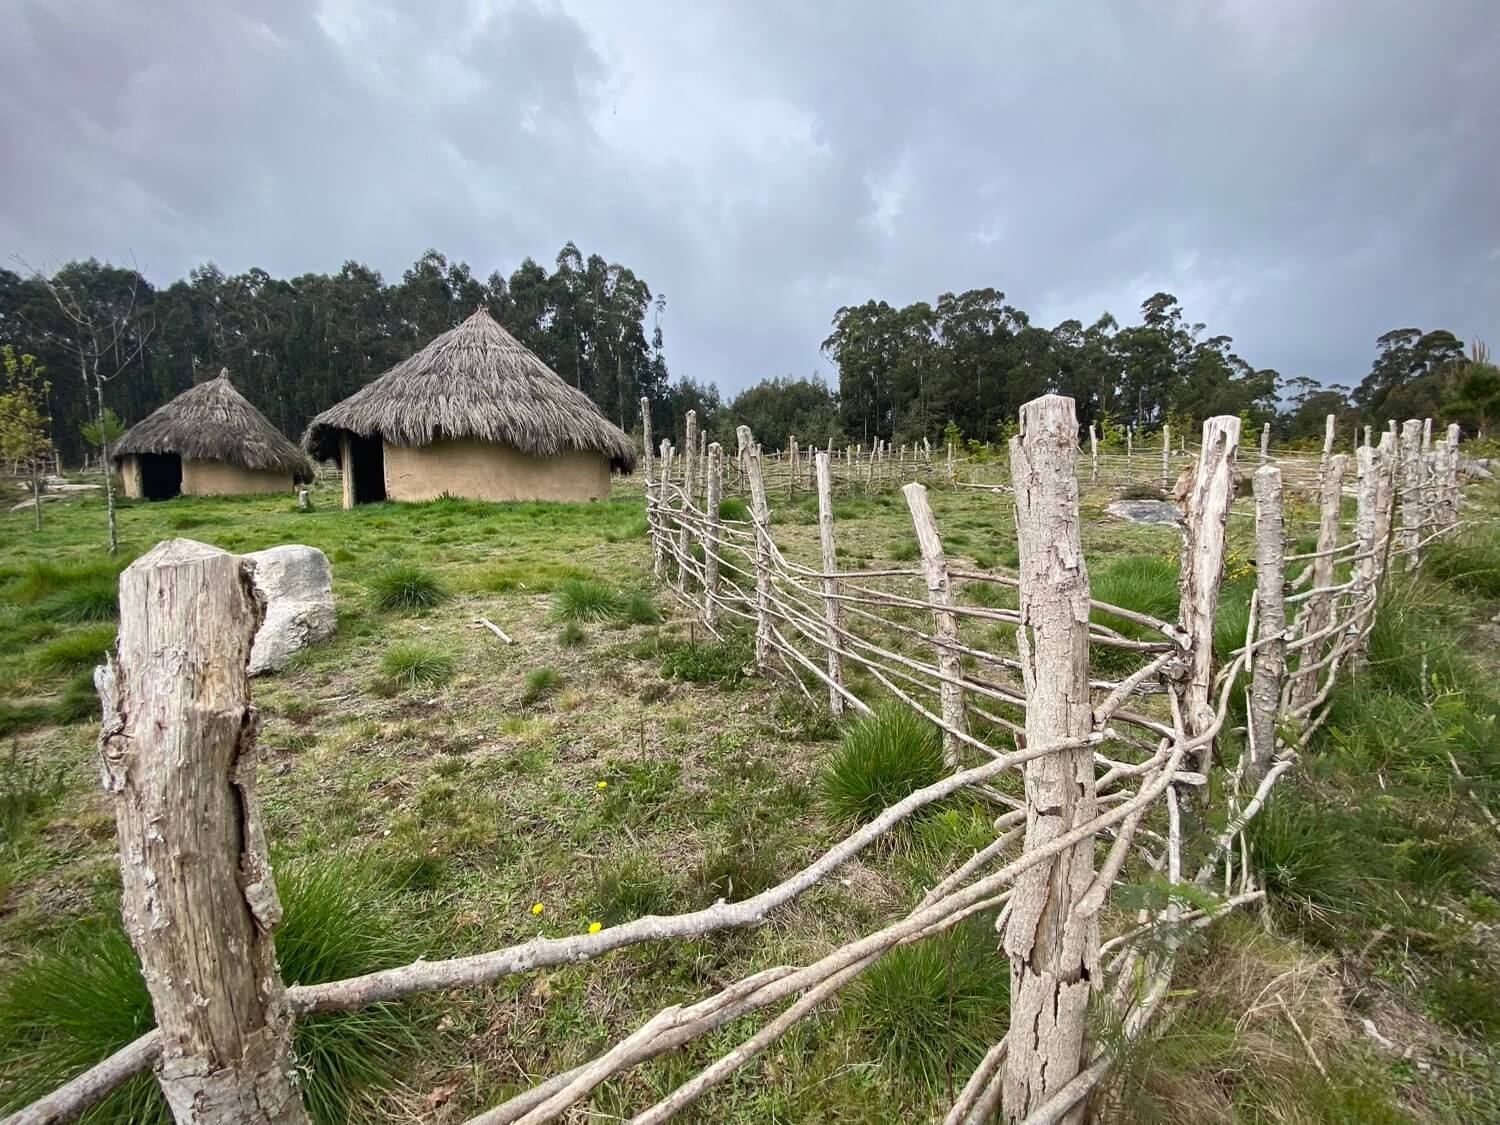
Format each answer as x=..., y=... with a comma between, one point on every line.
x=475, y=381
x=214, y=422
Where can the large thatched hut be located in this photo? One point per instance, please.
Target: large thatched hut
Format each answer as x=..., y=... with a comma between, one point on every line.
x=472, y=414
x=208, y=441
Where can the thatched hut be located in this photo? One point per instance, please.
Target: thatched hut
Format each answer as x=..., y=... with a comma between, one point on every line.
x=473, y=414
x=208, y=441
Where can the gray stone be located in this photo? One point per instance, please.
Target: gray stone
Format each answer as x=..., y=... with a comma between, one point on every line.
x=1157, y=512
x=297, y=584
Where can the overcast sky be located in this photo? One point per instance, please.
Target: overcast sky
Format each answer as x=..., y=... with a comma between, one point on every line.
x=1304, y=175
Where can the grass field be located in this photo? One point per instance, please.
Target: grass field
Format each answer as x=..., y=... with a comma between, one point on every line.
x=428, y=789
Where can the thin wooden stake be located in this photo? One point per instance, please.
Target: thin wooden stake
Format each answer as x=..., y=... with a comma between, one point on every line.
x=949, y=661
x=760, y=512
x=712, y=543
x=1166, y=454
x=830, y=583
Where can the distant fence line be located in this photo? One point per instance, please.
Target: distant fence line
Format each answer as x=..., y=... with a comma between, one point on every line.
x=1110, y=716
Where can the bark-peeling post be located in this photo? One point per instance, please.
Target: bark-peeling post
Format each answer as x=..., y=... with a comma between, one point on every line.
x=1451, y=494
x=1319, y=608
x=1130, y=443
x=1385, y=500
x=1054, y=953
x=760, y=512
x=830, y=583
x=684, y=534
x=1265, y=442
x=1206, y=513
x=1166, y=455
x=1366, y=493
x=177, y=751
x=715, y=489
x=940, y=593
x=791, y=486
x=1094, y=451
x=1412, y=492
x=1330, y=429
x=1268, y=662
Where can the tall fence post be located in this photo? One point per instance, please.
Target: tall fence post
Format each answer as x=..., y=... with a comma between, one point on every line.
x=1451, y=494
x=651, y=490
x=1130, y=443
x=760, y=512
x=713, y=536
x=1268, y=662
x=1265, y=442
x=952, y=480
x=830, y=557
x=177, y=752
x=684, y=533
x=1094, y=451
x=1318, y=612
x=1207, y=513
x=791, y=487
x=940, y=593
x=664, y=505
x=1413, y=494
x=1366, y=565
x=1053, y=951
x=1166, y=454
x=1387, y=465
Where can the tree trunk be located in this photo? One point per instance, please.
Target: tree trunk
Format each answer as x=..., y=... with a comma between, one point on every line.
x=177, y=754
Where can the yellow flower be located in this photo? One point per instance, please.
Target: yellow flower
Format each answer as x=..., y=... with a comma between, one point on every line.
x=595, y=927
x=602, y=785
x=537, y=909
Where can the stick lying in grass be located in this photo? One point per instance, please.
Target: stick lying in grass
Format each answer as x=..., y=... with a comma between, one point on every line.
x=493, y=628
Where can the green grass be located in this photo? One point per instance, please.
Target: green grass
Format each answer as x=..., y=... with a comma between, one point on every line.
x=406, y=588
x=639, y=608
x=77, y=650
x=412, y=664
x=884, y=757
x=571, y=635
x=708, y=662
x=63, y=1010
x=27, y=789
x=586, y=599
x=95, y=599
x=934, y=1008
x=540, y=683
x=733, y=508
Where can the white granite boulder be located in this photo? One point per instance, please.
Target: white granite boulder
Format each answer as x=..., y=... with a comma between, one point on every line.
x=297, y=585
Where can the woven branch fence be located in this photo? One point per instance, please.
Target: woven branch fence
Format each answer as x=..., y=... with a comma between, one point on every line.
x=1092, y=730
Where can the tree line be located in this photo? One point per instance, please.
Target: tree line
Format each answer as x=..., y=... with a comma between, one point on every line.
x=961, y=365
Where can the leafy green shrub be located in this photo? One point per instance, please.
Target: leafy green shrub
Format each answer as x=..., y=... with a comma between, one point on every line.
x=884, y=757
x=406, y=588
x=63, y=1010
x=540, y=682
x=586, y=599
x=412, y=664
x=935, y=1006
x=708, y=662
x=70, y=652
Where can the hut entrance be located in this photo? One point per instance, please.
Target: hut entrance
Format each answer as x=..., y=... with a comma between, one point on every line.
x=366, y=468
x=161, y=475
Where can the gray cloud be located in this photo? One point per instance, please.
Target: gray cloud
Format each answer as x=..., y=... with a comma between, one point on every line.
x=1304, y=175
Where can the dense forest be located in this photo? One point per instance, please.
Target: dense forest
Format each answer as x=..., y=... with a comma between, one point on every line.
x=970, y=359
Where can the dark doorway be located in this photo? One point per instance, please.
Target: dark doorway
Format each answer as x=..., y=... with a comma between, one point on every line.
x=367, y=468
x=161, y=475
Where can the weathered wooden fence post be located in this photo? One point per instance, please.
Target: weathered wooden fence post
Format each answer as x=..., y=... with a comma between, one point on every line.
x=665, y=538
x=1453, y=497
x=1094, y=451
x=1386, y=464
x=1265, y=442
x=952, y=480
x=1166, y=455
x=830, y=558
x=177, y=752
x=1268, y=662
x=684, y=532
x=1053, y=952
x=1366, y=565
x=1318, y=612
x=1206, y=515
x=791, y=487
x=1413, y=494
x=713, y=537
x=1130, y=443
x=651, y=514
x=939, y=592
x=760, y=512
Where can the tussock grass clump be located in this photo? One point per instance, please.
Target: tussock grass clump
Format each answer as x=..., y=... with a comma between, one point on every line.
x=412, y=664
x=586, y=599
x=40, y=580
x=936, y=1004
x=406, y=588
x=733, y=508
x=884, y=757
x=73, y=651
x=26, y=790
x=627, y=530
x=639, y=608
x=629, y=890
x=903, y=550
x=1144, y=583
x=97, y=599
x=63, y=1010
x=737, y=871
x=1468, y=562
x=540, y=683
x=571, y=635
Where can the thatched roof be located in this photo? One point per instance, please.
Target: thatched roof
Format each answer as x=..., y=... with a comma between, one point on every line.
x=214, y=422
x=474, y=381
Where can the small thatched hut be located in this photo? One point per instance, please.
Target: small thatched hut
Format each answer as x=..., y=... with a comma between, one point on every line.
x=473, y=414
x=208, y=441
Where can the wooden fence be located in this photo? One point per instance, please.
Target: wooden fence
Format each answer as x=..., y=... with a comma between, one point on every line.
x=1092, y=729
